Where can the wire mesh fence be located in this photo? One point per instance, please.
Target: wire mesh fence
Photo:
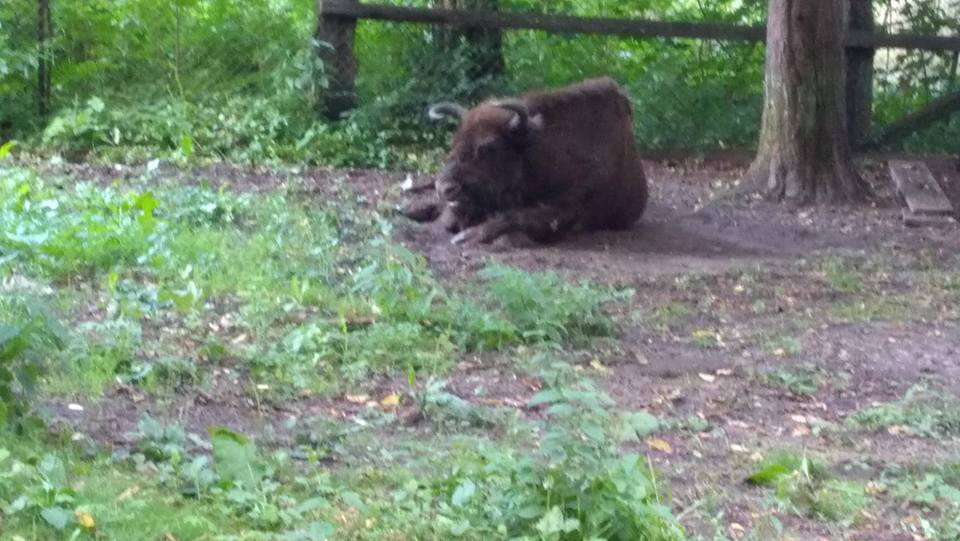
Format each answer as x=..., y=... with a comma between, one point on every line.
x=250, y=74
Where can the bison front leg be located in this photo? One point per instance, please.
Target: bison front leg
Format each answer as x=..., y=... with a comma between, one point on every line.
x=542, y=224
x=422, y=211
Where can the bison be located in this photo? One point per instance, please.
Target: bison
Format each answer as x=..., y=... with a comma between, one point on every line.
x=543, y=164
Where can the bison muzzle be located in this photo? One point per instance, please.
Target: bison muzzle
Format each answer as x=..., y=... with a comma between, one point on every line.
x=543, y=164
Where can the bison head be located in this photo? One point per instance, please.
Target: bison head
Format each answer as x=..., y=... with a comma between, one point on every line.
x=484, y=169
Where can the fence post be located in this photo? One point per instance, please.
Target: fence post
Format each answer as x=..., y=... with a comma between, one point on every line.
x=44, y=31
x=860, y=75
x=337, y=34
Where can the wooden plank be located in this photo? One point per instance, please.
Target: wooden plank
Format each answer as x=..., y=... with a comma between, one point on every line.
x=919, y=190
x=938, y=110
x=912, y=219
x=871, y=40
x=639, y=28
x=550, y=23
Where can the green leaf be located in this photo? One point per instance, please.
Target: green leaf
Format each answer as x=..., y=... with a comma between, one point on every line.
x=235, y=457
x=56, y=517
x=642, y=423
x=53, y=471
x=352, y=499
x=769, y=474
x=553, y=523
x=6, y=148
x=463, y=493
x=96, y=104
x=592, y=430
x=544, y=397
x=186, y=145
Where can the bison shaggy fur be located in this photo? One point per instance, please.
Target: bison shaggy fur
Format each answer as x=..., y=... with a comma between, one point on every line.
x=543, y=164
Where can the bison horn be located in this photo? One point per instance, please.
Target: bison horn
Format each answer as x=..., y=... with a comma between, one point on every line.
x=441, y=110
x=518, y=122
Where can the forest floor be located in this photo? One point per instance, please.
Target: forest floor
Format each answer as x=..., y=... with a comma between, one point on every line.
x=816, y=350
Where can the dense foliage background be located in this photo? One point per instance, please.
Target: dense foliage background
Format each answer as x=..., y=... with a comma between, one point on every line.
x=241, y=80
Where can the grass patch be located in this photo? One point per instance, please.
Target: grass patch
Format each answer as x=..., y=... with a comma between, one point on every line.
x=805, y=485
x=840, y=276
x=797, y=380
x=669, y=315
x=924, y=411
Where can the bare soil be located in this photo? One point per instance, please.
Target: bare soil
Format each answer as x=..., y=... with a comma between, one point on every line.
x=729, y=291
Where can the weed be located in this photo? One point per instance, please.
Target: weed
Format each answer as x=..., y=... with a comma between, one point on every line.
x=804, y=484
x=840, y=277
x=799, y=381
x=707, y=338
x=28, y=334
x=784, y=346
x=545, y=308
x=577, y=485
x=667, y=316
x=924, y=411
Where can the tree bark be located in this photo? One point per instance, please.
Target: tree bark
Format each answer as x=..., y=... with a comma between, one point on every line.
x=860, y=75
x=44, y=33
x=803, y=156
x=485, y=46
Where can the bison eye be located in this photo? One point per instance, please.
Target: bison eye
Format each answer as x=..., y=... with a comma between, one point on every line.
x=487, y=150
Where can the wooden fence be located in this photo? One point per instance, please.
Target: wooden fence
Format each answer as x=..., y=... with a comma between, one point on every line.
x=337, y=20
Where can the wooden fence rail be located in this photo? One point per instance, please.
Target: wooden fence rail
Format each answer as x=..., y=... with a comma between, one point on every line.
x=339, y=17
x=639, y=28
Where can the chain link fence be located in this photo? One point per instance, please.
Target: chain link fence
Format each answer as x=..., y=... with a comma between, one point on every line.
x=249, y=74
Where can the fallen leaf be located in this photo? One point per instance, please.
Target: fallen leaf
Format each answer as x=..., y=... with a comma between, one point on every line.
x=660, y=444
x=709, y=378
x=357, y=398
x=85, y=520
x=724, y=372
x=799, y=431
x=127, y=494
x=738, y=448
x=598, y=366
x=874, y=487
x=799, y=419
x=898, y=430
x=391, y=401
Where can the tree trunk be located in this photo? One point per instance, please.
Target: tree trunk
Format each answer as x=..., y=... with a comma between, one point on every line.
x=804, y=155
x=44, y=33
x=860, y=75
x=484, y=46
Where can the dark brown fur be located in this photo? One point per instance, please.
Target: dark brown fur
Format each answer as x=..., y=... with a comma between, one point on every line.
x=570, y=164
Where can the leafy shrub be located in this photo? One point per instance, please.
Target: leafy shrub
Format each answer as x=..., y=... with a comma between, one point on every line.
x=542, y=307
x=28, y=332
x=85, y=230
x=576, y=484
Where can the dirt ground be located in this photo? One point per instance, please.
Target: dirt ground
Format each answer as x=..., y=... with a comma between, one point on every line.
x=729, y=291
